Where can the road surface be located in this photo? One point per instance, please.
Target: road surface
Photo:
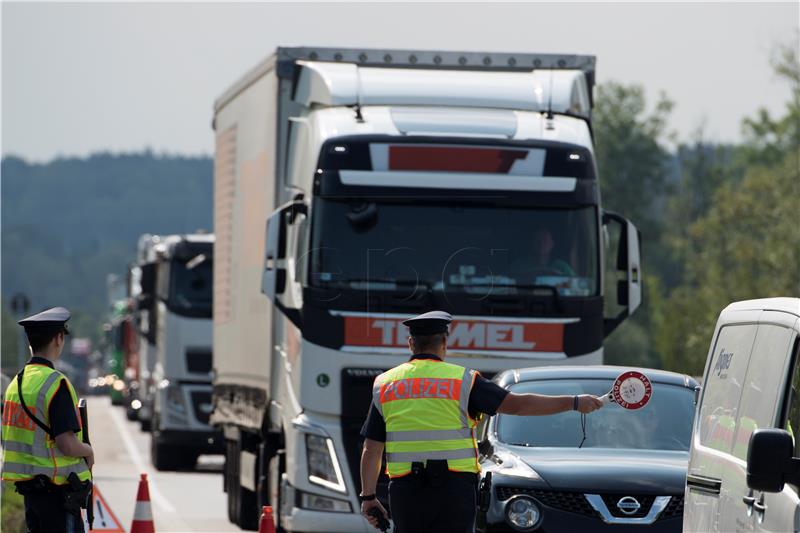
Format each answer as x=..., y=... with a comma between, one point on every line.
x=180, y=501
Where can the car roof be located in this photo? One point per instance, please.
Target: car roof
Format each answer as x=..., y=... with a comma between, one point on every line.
x=786, y=305
x=510, y=377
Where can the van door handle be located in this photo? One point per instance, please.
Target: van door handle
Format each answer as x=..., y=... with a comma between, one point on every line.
x=749, y=500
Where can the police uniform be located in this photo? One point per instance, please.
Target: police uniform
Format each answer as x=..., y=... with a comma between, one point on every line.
x=40, y=404
x=425, y=411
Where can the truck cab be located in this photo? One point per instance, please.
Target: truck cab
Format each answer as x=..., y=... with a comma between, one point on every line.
x=393, y=183
x=181, y=402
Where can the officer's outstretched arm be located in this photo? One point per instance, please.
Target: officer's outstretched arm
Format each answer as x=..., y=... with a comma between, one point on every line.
x=540, y=404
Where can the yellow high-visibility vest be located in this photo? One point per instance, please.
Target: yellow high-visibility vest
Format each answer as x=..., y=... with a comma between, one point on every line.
x=27, y=449
x=424, y=403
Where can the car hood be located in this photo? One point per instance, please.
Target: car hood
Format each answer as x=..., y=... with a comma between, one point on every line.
x=606, y=470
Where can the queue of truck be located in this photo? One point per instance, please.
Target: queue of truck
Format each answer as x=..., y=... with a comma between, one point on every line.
x=352, y=189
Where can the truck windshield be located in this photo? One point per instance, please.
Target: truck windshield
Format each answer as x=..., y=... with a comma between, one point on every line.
x=474, y=249
x=191, y=286
x=665, y=423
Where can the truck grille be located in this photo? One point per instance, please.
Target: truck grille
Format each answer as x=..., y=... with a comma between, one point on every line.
x=201, y=405
x=198, y=361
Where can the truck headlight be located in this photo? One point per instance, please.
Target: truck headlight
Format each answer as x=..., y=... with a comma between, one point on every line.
x=522, y=513
x=314, y=502
x=323, y=465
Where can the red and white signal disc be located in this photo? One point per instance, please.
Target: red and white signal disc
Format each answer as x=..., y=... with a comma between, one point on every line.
x=632, y=390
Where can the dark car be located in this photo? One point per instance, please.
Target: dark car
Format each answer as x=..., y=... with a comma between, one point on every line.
x=627, y=475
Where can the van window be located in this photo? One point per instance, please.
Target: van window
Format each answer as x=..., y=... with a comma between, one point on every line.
x=760, y=404
x=723, y=386
x=792, y=422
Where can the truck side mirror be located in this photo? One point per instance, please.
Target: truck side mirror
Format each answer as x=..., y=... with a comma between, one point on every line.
x=628, y=261
x=273, y=280
x=769, y=460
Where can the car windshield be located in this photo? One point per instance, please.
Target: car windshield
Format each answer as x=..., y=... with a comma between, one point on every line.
x=474, y=249
x=191, y=284
x=665, y=423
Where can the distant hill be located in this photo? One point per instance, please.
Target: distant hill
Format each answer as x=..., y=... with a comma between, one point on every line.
x=68, y=223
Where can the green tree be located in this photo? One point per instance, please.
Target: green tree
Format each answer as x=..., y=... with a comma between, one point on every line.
x=747, y=244
x=631, y=158
x=9, y=347
x=634, y=168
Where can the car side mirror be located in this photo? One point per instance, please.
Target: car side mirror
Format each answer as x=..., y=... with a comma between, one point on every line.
x=770, y=461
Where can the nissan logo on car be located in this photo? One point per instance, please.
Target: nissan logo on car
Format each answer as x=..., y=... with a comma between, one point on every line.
x=628, y=505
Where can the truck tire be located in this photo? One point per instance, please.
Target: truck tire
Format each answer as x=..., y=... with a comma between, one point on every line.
x=241, y=501
x=269, y=460
x=276, y=469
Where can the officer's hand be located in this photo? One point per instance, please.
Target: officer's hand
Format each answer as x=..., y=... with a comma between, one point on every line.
x=373, y=504
x=588, y=403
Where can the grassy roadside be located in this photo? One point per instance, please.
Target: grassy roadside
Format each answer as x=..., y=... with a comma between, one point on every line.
x=12, y=510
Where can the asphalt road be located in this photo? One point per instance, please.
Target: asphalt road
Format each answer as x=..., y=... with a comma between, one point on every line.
x=180, y=501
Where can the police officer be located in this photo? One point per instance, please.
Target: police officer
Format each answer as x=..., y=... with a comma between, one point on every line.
x=42, y=449
x=423, y=413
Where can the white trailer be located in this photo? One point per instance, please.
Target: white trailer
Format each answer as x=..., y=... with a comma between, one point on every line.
x=392, y=183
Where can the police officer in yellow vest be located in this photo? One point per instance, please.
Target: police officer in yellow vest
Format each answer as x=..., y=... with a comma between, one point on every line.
x=42, y=450
x=423, y=413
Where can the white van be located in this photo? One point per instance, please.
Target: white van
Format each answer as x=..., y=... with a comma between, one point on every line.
x=744, y=471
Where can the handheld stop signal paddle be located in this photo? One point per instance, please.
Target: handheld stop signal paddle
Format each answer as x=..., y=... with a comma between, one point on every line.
x=632, y=390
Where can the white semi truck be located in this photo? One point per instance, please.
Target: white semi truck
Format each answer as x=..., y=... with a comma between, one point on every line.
x=177, y=329
x=392, y=183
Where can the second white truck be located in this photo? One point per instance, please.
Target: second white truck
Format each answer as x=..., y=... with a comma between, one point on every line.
x=179, y=326
x=391, y=183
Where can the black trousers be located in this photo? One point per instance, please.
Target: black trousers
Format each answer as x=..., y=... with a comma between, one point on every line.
x=45, y=513
x=445, y=505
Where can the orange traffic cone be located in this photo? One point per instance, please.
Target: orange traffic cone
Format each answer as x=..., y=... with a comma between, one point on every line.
x=266, y=524
x=142, y=514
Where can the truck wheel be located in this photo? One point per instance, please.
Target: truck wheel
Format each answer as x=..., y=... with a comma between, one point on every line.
x=229, y=486
x=241, y=502
x=276, y=470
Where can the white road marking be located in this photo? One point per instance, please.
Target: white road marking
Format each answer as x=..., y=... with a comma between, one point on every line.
x=155, y=495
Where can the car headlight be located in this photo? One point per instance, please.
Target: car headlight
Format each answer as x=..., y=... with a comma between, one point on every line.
x=522, y=513
x=323, y=465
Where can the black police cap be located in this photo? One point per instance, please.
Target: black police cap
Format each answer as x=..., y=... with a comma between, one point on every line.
x=50, y=320
x=429, y=323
